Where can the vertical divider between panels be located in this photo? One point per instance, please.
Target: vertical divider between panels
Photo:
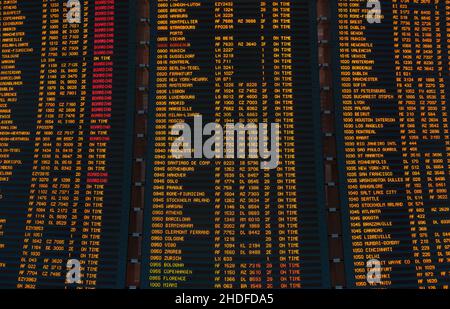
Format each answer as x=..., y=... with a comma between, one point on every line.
x=134, y=255
x=332, y=198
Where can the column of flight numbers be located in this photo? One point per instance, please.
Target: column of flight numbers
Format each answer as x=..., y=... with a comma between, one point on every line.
x=396, y=140
x=244, y=211
x=55, y=187
x=444, y=236
x=424, y=130
x=238, y=253
x=407, y=100
x=71, y=105
x=249, y=257
x=33, y=237
x=237, y=96
x=225, y=195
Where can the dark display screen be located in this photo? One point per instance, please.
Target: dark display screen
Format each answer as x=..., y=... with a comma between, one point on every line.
x=224, y=145
x=394, y=140
x=228, y=223
x=64, y=122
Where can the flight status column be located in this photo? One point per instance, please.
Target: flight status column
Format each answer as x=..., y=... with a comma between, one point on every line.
x=394, y=142
x=65, y=160
x=224, y=210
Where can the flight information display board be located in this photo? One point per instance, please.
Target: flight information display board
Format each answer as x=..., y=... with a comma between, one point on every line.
x=227, y=222
x=393, y=80
x=65, y=121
